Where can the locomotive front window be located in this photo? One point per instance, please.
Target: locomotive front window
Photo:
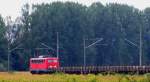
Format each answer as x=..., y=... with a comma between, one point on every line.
x=37, y=61
x=54, y=60
x=49, y=61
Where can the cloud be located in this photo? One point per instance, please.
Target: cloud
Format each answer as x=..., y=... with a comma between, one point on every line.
x=10, y=7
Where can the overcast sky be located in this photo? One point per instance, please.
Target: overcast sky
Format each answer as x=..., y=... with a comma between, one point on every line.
x=13, y=7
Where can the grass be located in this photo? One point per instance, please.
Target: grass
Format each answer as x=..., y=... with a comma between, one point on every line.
x=27, y=77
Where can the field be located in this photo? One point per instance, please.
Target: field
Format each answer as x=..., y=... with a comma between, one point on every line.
x=27, y=77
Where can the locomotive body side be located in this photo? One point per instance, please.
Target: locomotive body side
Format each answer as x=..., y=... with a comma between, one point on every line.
x=43, y=65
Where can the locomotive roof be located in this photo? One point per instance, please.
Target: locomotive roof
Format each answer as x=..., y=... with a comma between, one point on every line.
x=45, y=57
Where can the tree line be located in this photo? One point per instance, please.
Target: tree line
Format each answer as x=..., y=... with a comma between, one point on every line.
x=118, y=24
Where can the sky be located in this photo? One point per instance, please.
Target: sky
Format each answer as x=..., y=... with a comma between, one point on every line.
x=13, y=7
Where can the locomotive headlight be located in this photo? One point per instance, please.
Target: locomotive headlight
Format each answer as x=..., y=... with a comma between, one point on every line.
x=50, y=66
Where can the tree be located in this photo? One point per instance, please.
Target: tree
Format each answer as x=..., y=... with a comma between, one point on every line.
x=3, y=46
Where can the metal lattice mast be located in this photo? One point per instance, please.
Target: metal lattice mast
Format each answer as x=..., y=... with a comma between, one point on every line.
x=57, y=45
x=140, y=50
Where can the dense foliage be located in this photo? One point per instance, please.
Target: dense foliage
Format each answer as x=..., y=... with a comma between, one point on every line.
x=118, y=25
x=3, y=45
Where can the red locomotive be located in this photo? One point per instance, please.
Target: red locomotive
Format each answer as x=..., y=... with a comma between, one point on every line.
x=44, y=64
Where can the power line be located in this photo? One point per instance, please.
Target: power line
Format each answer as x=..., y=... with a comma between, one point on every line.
x=85, y=47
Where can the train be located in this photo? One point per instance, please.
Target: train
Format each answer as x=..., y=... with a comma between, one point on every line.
x=43, y=64
x=46, y=64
